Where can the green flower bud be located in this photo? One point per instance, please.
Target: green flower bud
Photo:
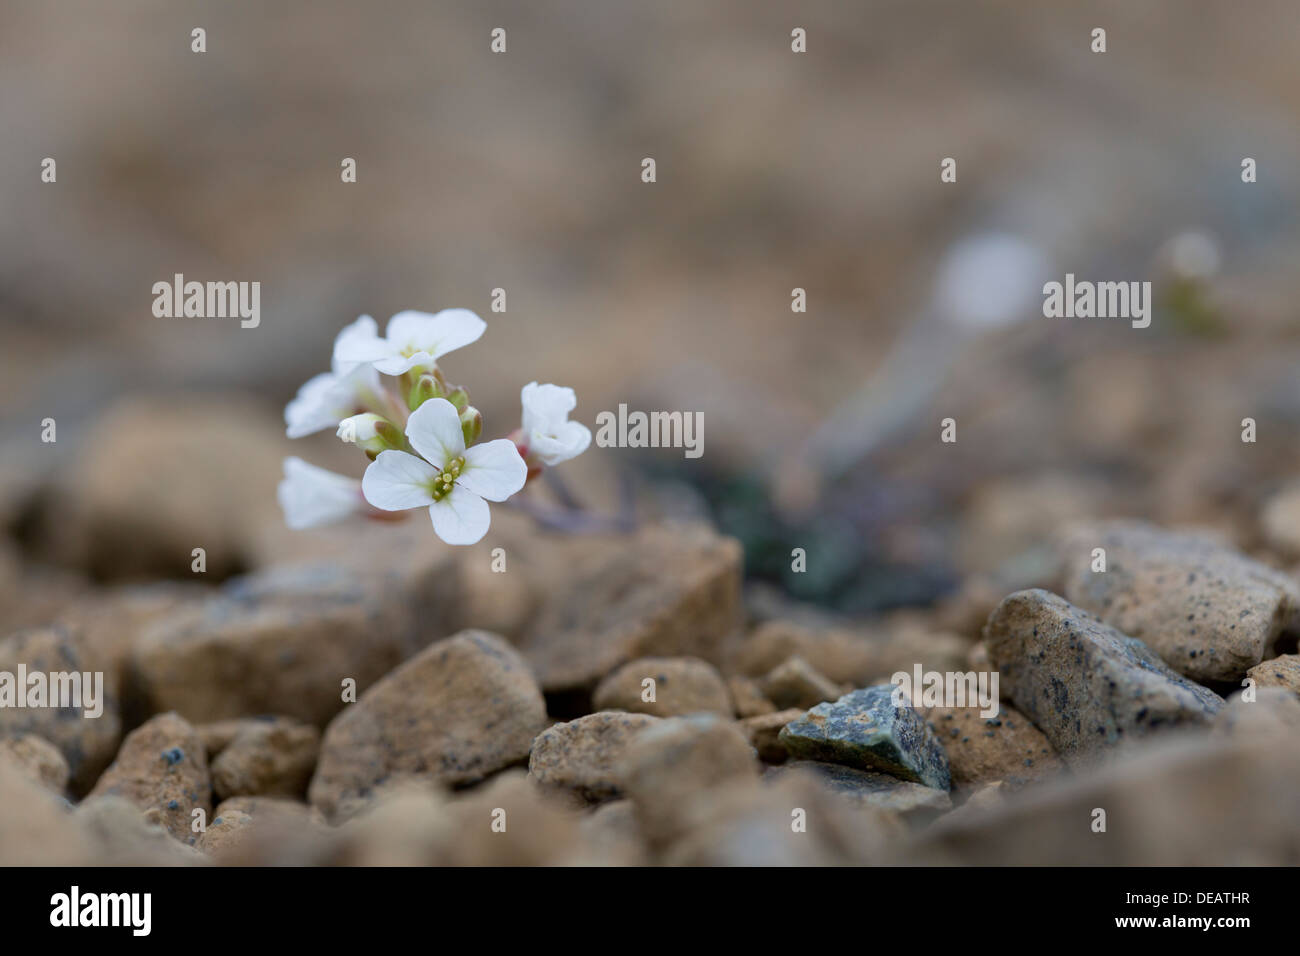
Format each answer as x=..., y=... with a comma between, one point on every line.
x=471, y=424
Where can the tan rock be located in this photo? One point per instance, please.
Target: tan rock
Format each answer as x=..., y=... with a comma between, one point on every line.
x=1003, y=748
x=1209, y=612
x=274, y=757
x=38, y=758
x=669, y=763
x=583, y=757
x=163, y=768
x=748, y=697
x=86, y=742
x=682, y=685
x=669, y=591
x=764, y=732
x=460, y=710
x=284, y=640
x=1282, y=671
x=796, y=683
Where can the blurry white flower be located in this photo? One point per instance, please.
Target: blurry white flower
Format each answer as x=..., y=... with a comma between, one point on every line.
x=328, y=398
x=453, y=482
x=311, y=496
x=548, y=433
x=411, y=339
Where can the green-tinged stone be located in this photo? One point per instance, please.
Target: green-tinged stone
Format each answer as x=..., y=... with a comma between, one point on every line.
x=864, y=729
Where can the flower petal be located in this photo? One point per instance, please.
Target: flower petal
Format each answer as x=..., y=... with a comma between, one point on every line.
x=461, y=517
x=567, y=441
x=311, y=496
x=400, y=364
x=360, y=343
x=435, y=334
x=493, y=470
x=396, y=481
x=434, y=431
x=546, y=405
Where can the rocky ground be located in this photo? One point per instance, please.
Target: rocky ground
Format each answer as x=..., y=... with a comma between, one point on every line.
x=502, y=717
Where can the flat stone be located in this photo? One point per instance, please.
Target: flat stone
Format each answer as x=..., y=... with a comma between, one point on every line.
x=764, y=733
x=162, y=769
x=87, y=743
x=669, y=592
x=583, y=756
x=796, y=683
x=1208, y=611
x=40, y=759
x=864, y=729
x=1085, y=685
x=682, y=685
x=872, y=789
x=283, y=641
x=1007, y=748
x=1282, y=671
x=460, y=710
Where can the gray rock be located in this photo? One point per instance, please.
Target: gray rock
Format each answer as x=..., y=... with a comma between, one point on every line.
x=871, y=789
x=864, y=729
x=1208, y=611
x=1085, y=685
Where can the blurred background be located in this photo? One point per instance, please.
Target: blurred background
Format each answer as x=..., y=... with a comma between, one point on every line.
x=775, y=171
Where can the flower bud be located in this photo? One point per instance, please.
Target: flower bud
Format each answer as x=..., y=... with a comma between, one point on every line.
x=371, y=433
x=427, y=386
x=459, y=398
x=471, y=424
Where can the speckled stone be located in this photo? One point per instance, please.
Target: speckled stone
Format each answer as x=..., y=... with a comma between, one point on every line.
x=162, y=768
x=282, y=640
x=670, y=592
x=581, y=757
x=87, y=743
x=1007, y=747
x=864, y=729
x=458, y=711
x=1283, y=671
x=1208, y=611
x=1085, y=685
x=871, y=789
x=683, y=685
x=40, y=759
x=272, y=757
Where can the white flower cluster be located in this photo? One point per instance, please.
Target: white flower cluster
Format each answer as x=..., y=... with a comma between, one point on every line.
x=419, y=432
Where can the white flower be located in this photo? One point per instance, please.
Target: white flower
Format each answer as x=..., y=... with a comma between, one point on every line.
x=411, y=339
x=330, y=397
x=548, y=433
x=311, y=496
x=453, y=482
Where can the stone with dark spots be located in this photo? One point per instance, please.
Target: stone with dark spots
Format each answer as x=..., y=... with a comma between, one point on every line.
x=455, y=713
x=1085, y=685
x=283, y=640
x=87, y=743
x=864, y=729
x=1210, y=612
x=670, y=592
x=582, y=757
x=682, y=685
x=1283, y=671
x=162, y=769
